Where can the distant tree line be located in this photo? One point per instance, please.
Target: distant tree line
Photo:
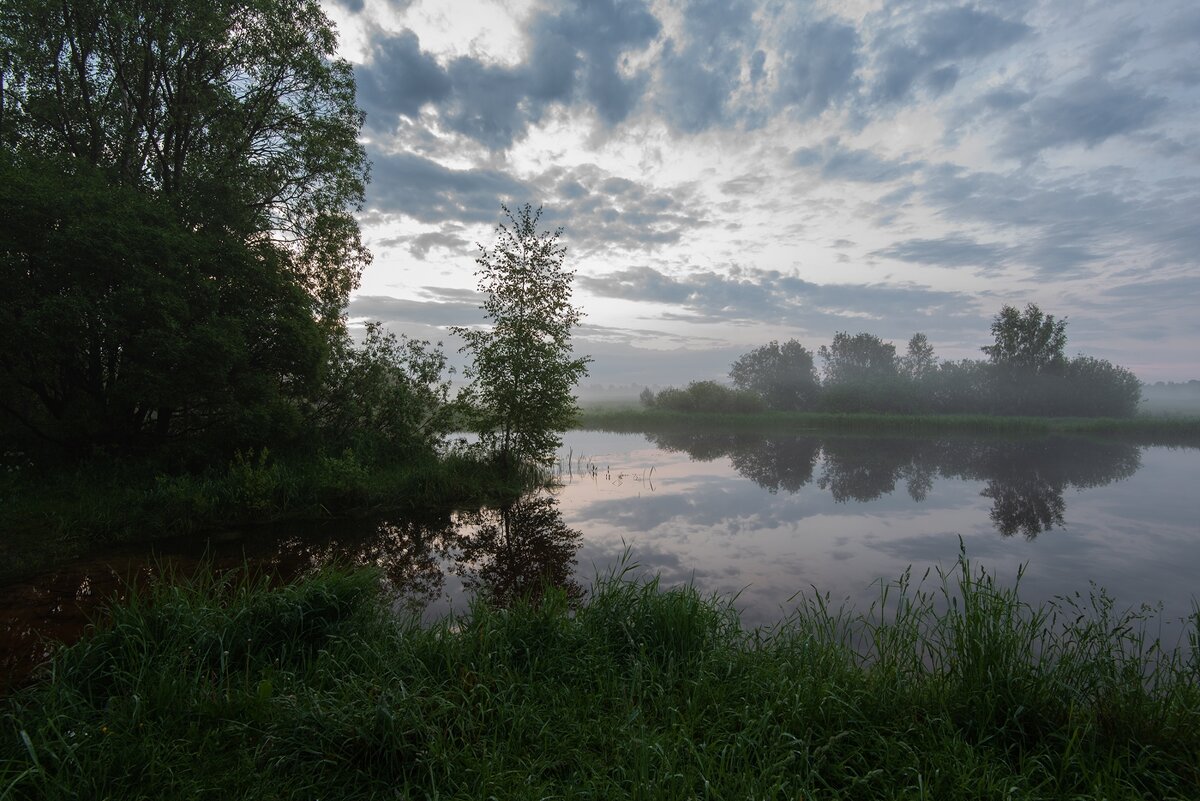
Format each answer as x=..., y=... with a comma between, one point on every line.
x=1026, y=372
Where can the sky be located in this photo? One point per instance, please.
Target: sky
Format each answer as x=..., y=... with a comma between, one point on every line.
x=731, y=172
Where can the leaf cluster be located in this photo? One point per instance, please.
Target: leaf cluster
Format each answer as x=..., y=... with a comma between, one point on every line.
x=523, y=371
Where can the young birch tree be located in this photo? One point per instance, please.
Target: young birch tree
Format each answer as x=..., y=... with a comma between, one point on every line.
x=523, y=372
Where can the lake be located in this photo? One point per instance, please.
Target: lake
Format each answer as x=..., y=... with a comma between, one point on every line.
x=762, y=516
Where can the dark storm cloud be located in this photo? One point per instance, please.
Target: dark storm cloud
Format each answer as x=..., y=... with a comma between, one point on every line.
x=768, y=296
x=1087, y=112
x=924, y=51
x=574, y=54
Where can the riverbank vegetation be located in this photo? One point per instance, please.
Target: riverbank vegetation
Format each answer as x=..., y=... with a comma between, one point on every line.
x=1027, y=373
x=178, y=247
x=1138, y=430
x=954, y=689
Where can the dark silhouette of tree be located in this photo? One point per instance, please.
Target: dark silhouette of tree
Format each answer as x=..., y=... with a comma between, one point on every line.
x=178, y=243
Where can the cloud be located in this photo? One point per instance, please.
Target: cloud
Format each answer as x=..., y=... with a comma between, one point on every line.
x=701, y=68
x=754, y=295
x=574, y=55
x=950, y=251
x=399, y=312
x=429, y=192
x=924, y=51
x=1087, y=112
x=818, y=67
x=399, y=79
x=1064, y=224
x=860, y=166
x=599, y=210
x=421, y=244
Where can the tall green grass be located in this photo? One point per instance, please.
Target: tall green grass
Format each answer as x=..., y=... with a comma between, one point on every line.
x=954, y=689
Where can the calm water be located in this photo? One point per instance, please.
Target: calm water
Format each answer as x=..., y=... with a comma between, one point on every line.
x=764, y=517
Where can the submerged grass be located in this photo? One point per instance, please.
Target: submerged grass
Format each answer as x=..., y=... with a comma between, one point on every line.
x=1145, y=430
x=227, y=689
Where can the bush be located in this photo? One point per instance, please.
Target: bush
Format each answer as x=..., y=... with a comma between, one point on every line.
x=709, y=396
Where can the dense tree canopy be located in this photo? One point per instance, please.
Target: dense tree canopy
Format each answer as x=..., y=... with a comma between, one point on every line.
x=178, y=242
x=783, y=375
x=1028, y=341
x=233, y=109
x=859, y=358
x=118, y=322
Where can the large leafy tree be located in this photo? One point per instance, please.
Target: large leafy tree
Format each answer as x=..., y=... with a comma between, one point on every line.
x=522, y=371
x=1028, y=340
x=783, y=375
x=179, y=182
x=234, y=109
x=120, y=326
x=858, y=359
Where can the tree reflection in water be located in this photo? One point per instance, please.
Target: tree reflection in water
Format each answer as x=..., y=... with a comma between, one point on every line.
x=1024, y=478
x=503, y=554
x=516, y=551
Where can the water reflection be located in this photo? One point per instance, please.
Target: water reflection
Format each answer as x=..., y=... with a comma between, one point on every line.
x=518, y=550
x=503, y=554
x=1025, y=479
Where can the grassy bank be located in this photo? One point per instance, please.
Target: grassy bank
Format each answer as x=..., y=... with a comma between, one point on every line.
x=228, y=690
x=1143, y=430
x=59, y=514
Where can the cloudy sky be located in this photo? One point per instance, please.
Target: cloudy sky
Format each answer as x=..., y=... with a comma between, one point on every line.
x=734, y=171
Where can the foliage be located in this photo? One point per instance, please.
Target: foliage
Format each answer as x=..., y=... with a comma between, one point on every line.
x=1027, y=342
x=235, y=110
x=858, y=359
x=522, y=371
x=918, y=361
x=783, y=375
x=179, y=182
x=391, y=393
x=646, y=398
x=121, y=328
x=954, y=690
x=1026, y=375
x=708, y=396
